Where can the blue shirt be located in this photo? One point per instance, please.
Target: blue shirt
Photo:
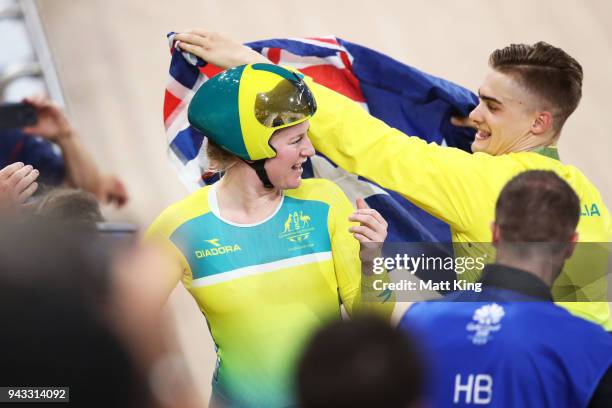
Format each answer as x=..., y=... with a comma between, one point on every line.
x=16, y=146
x=508, y=345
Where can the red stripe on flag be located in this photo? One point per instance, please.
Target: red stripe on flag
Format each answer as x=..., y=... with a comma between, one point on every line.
x=340, y=80
x=349, y=70
x=274, y=55
x=345, y=60
x=210, y=70
x=170, y=104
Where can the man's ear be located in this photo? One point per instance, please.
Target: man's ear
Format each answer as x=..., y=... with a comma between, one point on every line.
x=542, y=123
x=571, y=245
x=495, y=234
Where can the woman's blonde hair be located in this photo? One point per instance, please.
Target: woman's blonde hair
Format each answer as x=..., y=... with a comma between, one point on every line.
x=219, y=158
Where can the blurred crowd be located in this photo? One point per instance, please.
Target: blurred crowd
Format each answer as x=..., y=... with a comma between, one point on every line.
x=29, y=161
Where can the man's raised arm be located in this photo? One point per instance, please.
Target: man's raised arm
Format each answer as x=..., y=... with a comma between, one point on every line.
x=442, y=181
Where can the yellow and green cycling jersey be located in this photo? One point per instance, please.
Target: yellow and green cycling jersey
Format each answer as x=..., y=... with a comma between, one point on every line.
x=461, y=188
x=265, y=287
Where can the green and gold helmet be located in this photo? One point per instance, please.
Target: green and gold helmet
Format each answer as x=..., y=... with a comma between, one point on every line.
x=241, y=107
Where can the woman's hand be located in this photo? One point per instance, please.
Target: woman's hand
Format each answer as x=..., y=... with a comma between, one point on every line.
x=217, y=49
x=371, y=232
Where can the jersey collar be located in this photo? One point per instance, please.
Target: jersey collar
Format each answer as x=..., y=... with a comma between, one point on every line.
x=517, y=280
x=548, y=151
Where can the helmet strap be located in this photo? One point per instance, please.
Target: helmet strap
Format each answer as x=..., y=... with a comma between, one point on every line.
x=258, y=166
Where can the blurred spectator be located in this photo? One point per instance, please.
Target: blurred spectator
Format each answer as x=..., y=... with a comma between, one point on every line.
x=51, y=293
x=64, y=310
x=360, y=363
x=509, y=344
x=64, y=204
x=80, y=209
x=74, y=168
x=57, y=340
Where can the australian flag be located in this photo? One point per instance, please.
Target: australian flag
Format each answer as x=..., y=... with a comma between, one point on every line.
x=402, y=96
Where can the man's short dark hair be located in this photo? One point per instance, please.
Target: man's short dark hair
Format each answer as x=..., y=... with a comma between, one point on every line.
x=65, y=204
x=537, y=206
x=360, y=363
x=547, y=71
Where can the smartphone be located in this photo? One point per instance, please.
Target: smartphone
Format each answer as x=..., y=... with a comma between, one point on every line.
x=17, y=115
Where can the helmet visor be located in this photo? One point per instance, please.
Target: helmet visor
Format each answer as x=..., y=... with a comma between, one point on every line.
x=290, y=101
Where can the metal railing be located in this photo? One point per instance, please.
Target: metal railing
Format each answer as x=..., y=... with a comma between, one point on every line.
x=26, y=12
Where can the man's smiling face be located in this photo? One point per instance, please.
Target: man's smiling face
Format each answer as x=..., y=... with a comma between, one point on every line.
x=504, y=116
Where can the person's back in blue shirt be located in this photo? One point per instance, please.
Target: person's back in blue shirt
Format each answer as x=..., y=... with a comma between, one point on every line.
x=509, y=345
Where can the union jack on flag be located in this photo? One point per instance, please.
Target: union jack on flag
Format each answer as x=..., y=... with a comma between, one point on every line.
x=405, y=98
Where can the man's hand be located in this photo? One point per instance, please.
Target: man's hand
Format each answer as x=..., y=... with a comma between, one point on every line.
x=52, y=123
x=217, y=49
x=463, y=122
x=17, y=184
x=371, y=233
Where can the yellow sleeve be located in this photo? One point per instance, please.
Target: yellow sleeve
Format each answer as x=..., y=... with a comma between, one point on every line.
x=445, y=182
x=157, y=236
x=356, y=291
